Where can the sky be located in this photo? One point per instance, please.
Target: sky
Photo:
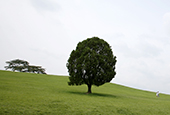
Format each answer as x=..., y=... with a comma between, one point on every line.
x=44, y=32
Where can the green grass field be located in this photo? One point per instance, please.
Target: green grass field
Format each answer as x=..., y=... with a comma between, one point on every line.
x=30, y=94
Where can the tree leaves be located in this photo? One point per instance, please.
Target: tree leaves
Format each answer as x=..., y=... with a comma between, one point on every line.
x=23, y=66
x=92, y=63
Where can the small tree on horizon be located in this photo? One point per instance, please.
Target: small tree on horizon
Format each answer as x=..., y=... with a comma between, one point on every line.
x=17, y=64
x=92, y=63
x=36, y=69
x=23, y=66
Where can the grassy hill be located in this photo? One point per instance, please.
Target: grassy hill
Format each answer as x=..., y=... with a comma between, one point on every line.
x=25, y=93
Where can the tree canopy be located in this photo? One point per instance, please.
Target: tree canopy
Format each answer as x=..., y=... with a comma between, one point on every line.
x=91, y=63
x=23, y=66
x=17, y=65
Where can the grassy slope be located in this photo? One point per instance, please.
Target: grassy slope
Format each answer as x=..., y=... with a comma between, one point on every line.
x=24, y=93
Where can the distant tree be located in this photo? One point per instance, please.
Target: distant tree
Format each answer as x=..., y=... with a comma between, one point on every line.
x=23, y=66
x=36, y=69
x=92, y=63
x=17, y=65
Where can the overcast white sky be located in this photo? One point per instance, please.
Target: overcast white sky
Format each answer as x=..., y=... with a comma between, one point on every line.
x=44, y=32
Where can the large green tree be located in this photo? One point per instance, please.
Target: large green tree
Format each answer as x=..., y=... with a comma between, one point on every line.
x=92, y=63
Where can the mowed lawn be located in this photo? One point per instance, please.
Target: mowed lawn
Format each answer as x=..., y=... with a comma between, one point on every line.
x=30, y=94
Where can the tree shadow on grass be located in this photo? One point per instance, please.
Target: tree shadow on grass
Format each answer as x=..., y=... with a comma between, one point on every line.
x=94, y=94
x=104, y=95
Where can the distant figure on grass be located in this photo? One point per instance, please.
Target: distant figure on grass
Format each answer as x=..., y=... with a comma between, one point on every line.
x=157, y=94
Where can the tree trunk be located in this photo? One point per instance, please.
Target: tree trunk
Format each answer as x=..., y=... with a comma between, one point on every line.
x=89, y=88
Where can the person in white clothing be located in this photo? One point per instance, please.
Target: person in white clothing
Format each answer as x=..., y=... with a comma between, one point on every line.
x=157, y=94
